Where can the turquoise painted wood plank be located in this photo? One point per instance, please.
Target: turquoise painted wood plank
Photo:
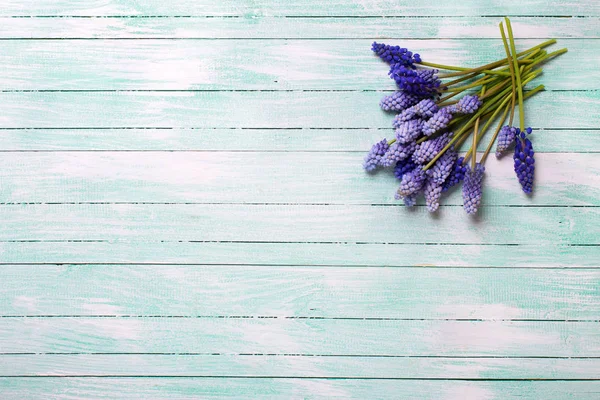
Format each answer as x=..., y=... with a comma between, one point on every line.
x=470, y=27
x=287, y=140
x=246, y=346
x=522, y=255
x=328, y=292
x=251, y=8
x=290, y=366
x=211, y=177
x=251, y=110
x=281, y=337
x=301, y=223
x=267, y=388
x=258, y=64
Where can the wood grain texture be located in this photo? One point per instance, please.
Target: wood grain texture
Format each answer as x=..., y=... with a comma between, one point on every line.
x=267, y=388
x=266, y=27
x=185, y=214
x=260, y=110
x=250, y=8
x=203, y=177
x=259, y=65
x=298, y=366
x=303, y=292
x=289, y=337
x=524, y=254
x=547, y=140
x=297, y=223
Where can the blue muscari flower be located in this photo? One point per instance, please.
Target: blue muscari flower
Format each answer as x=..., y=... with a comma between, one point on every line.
x=437, y=122
x=432, y=191
x=397, y=152
x=524, y=161
x=426, y=108
x=506, y=138
x=402, y=167
x=408, y=131
x=395, y=54
x=409, y=200
x=456, y=175
x=468, y=104
x=398, y=101
x=406, y=115
x=375, y=155
x=471, y=190
x=421, y=82
x=440, y=171
x=412, y=182
x=428, y=149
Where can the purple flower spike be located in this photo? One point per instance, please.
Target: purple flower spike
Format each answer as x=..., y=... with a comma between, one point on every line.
x=375, y=155
x=397, y=152
x=426, y=108
x=409, y=201
x=440, y=171
x=427, y=150
x=506, y=137
x=398, y=101
x=395, y=54
x=456, y=175
x=524, y=161
x=421, y=82
x=432, y=191
x=408, y=131
x=402, y=167
x=412, y=182
x=437, y=122
x=467, y=104
x=472, y=189
x=407, y=115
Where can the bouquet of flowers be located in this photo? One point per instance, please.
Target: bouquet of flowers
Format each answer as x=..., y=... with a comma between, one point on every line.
x=437, y=113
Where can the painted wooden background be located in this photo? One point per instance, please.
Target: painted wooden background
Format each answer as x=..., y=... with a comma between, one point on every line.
x=184, y=212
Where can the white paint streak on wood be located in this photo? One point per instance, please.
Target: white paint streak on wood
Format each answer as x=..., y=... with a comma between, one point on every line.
x=208, y=177
x=276, y=367
x=251, y=140
x=381, y=28
x=523, y=256
x=260, y=110
x=273, y=64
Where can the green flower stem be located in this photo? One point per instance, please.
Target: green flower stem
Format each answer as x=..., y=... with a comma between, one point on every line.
x=493, y=83
x=442, y=66
x=478, y=82
x=475, y=132
x=542, y=55
x=512, y=72
x=506, y=82
x=500, y=124
x=547, y=56
x=506, y=105
x=502, y=61
x=517, y=73
x=482, y=110
x=496, y=88
x=458, y=90
x=487, y=79
x=485, y=71
x=491, y=143
x=453, y=68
